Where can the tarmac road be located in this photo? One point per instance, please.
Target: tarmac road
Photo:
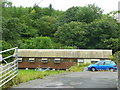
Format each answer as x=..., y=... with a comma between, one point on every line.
x=75, y=80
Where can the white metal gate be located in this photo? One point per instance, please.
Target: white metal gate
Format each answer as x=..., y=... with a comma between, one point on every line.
x=9, y=70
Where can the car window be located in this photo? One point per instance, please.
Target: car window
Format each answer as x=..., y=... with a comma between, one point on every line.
x=101, y=63
x=107, y=63
x=112, y=62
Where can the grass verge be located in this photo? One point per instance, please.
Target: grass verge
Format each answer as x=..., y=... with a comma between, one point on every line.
x=27, y=75
x=78, y=68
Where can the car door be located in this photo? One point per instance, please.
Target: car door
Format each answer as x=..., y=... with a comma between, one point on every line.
x=100, y=65
x=106, y=65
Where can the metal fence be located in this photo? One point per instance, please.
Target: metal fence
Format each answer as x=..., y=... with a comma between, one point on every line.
x=9, y=70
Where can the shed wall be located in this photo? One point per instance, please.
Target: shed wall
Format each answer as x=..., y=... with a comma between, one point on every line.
x=64, y=53
x=67, y=54
x=64, y=64
x=87, y=61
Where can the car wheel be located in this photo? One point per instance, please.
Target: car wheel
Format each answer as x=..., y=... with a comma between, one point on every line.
x=93, y=69
x=111, y=70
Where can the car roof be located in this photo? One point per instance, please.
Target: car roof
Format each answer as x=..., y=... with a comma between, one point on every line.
x=105, y=60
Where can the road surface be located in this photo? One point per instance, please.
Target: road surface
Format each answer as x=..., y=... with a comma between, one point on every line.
x=75, y=80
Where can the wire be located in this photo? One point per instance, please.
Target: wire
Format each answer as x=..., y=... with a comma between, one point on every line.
x=39, y=2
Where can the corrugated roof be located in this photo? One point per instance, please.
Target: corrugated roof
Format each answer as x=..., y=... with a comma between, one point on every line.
x=65, y=53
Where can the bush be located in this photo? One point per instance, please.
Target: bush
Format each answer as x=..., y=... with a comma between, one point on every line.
x=69, y=47
x=114, y=57
x=78, y=68
x=37, y=43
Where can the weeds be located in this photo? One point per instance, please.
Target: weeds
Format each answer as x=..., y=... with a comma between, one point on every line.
x=27, y=75
x=78, y=68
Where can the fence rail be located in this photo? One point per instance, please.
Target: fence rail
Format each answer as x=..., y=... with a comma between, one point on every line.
x=10, y=70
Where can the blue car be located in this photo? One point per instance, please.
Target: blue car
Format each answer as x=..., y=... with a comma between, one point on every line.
x=103, y=65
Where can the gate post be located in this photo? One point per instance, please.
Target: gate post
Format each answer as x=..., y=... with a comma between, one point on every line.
x=119, y=71
x=16, y=57
x=119, y=52
x=0, y=66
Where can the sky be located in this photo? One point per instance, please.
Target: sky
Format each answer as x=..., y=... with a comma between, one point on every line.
x=63, y=5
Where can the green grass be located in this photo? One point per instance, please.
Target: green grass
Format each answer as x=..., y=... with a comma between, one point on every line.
x=27, y=75
x=78, y=68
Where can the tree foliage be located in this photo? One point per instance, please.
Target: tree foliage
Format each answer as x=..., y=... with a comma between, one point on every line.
x=85, y=14
x=78, y=27
x=88, y=13
x=72, y=34
x=10, y=29
x=103, y=32
x=45, y=26
x=37, y=43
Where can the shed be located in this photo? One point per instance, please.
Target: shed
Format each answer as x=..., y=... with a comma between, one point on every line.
x=59, y=58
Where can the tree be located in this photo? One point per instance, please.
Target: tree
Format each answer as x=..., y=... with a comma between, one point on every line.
x=5, y=45
x=77, y=27
x=115, y=57
x=45, y=26
x=50, y=7
x=6, y=4
x=72, y=34
x=37, y=43
x=11, y=30
x=103, y=32
x=113, y=43
x=27, y=30
x=85, y=14
x=88, y=13
x=70, y=14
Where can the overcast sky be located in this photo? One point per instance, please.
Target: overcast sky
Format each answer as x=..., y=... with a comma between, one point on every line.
x=106, y=5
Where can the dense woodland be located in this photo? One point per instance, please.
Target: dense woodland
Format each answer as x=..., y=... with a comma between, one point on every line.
x=46, y=28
